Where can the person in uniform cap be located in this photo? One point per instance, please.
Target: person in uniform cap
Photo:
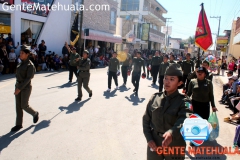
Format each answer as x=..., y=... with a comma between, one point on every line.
x=24, y=73
x=180, y=62
x=162, y=70
x=155, y=63
x=164, y=116
x=125, y=66
x=138, y=62
x=201, y=90
x=187, y=67
x=113, y=70
x=72, y=64
x=83, y=66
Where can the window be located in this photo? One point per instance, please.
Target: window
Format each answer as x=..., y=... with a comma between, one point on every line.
x=130, y=5
x=113, y=17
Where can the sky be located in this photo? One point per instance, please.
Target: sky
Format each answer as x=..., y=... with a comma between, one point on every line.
x=184, y=15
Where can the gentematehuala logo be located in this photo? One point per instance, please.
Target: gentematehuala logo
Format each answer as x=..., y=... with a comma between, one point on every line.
x=196, y=130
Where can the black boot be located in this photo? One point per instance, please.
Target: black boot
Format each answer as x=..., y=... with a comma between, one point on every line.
x=78, y=99
x=35, y=118
x=16, y=128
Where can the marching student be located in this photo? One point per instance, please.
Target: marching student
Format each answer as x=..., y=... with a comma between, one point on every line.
x=125, y=66
x=155, y=63
x=187, y=67
x=138, y=62
x=113, y=70
x=162, y=70
x=164, y=116
x=149, y=67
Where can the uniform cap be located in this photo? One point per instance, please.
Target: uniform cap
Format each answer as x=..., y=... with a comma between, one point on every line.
x=174, y=70
x=86, y=51
x=230, y=72
x=202, y=69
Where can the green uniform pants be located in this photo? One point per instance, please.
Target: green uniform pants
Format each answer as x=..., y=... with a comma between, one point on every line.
x=22, y=104
x=83, y=79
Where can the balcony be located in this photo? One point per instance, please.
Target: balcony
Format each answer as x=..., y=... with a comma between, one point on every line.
x=157, y=32
x=153, y=16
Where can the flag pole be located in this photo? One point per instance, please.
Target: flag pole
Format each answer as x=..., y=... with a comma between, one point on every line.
x=80, y=30
x=199, y=47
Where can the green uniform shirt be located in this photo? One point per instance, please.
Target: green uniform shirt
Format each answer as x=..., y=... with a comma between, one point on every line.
x=84, y=64
x=201, y=91
x=127, y=61
x=73, y=58
x=24, y=73
x=156, y=60
x=113, y=65
x=166, y=114
x=137, y=64
x=149, y=61
x=162, y=68
x=193, y=75
x=180, y=63
x=187, y=67
x=171, y=62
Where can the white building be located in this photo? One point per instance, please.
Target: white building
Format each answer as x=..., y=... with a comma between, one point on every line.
x=174, y=45
x=142, y=21
x=33, y=26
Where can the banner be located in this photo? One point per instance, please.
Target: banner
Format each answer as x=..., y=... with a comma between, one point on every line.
x=74, y=31
x=145, y=31
x=36, y=7
x=203, y=35
x=8, y=1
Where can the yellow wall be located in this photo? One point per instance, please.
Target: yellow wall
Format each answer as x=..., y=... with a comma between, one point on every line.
x=234, y=50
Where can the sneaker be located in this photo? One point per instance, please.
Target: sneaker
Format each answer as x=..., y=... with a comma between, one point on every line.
x=35, y=118
x=116, y=87
x=16, y=128
x=90, y=94
x=108, y=90
x=78, y=99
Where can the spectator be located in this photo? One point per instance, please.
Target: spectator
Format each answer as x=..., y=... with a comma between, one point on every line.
x=233, y=101
x=34, y=60
x=4, y=58
x=61, y=62
x=42, y=49
x=231, y=65
x=233, y=90
x=42, y=63
x=223, y=67
x=56, y=62
x=1, y=66
x=33, y=50
x=9, y=38
x=226, y=86
x=65, y=50
x=12, y=59
x=238, y=67
x=50, y=63
x=10, y=46
x=65, y=61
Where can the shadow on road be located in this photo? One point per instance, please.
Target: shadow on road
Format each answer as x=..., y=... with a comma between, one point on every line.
x=205, y=155
x=66, y=85
x=123, y=88
x=52, y=74
x=73, y=107
x=135, y=99
x=109, y=94
x=6, y=139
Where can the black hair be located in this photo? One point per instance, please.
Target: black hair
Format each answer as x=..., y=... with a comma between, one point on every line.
x=138, y=52
x=26, y=51
x=166, y=56
x=206, y=62
x=180, y=78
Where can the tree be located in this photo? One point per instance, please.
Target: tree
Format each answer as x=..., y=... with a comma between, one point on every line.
x=191, y=40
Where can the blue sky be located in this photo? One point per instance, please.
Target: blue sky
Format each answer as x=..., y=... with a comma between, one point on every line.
x=184, y=14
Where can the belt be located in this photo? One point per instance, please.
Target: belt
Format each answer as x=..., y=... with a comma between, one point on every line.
x=83, y=71
x=158, y=133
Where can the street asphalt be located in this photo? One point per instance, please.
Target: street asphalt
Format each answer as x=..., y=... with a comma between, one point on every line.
x=107, y=126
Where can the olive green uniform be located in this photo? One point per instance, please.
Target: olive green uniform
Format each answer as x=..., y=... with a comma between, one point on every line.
x=180, y=63
x=125, y=66
x=162, y=70
x=187, y=67
x=193, y=75
x=149, y=62
x=113, y=68
x=73, y=65
x=24, y=73
x=83, y=76
x=165, y=114
x=171, y=62
x=155, y=63
x=138, y=63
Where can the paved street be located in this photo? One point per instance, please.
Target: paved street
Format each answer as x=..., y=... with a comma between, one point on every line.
x=106, y=127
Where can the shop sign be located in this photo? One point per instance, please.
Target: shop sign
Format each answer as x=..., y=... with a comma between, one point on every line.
x=145, y=31
x=7, y=1
x=5, y=29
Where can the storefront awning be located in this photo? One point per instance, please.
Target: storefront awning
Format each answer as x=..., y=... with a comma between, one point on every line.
x=236, y=39
x=103, y=36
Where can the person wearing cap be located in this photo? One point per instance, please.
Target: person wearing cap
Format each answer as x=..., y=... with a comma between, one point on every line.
x=83, y=65
x=172, y=59
x=137, y=64
x=201, y=90
x=165, y=114
x=233, y=90
x=125, y=66
x=24, y=73
x=155, y=63
x=42, y=48
x=162, y=69
x=74, y=56
x=113, y=69
x=187, y=67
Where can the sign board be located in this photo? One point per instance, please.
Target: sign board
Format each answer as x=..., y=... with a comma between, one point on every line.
x=222, y=40
x=7, y=1
x=145, y=31
x=167, y=30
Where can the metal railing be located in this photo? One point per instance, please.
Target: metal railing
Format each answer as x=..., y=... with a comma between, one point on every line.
x=145, y=8
x=157, y=32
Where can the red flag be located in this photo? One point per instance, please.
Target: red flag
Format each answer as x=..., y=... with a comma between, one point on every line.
x=203, y=35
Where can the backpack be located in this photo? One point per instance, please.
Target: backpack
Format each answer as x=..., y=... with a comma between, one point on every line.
x=236, y=141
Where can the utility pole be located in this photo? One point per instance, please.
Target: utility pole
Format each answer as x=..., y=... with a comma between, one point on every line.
x=166, y=43
x=80, y=30
x=219, y=22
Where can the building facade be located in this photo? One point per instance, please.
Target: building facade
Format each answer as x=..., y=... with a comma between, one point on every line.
x=142, y=21
x=31, y=25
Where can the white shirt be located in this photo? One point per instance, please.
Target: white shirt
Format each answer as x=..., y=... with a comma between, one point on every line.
x=12, y=57
x=33, y=51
